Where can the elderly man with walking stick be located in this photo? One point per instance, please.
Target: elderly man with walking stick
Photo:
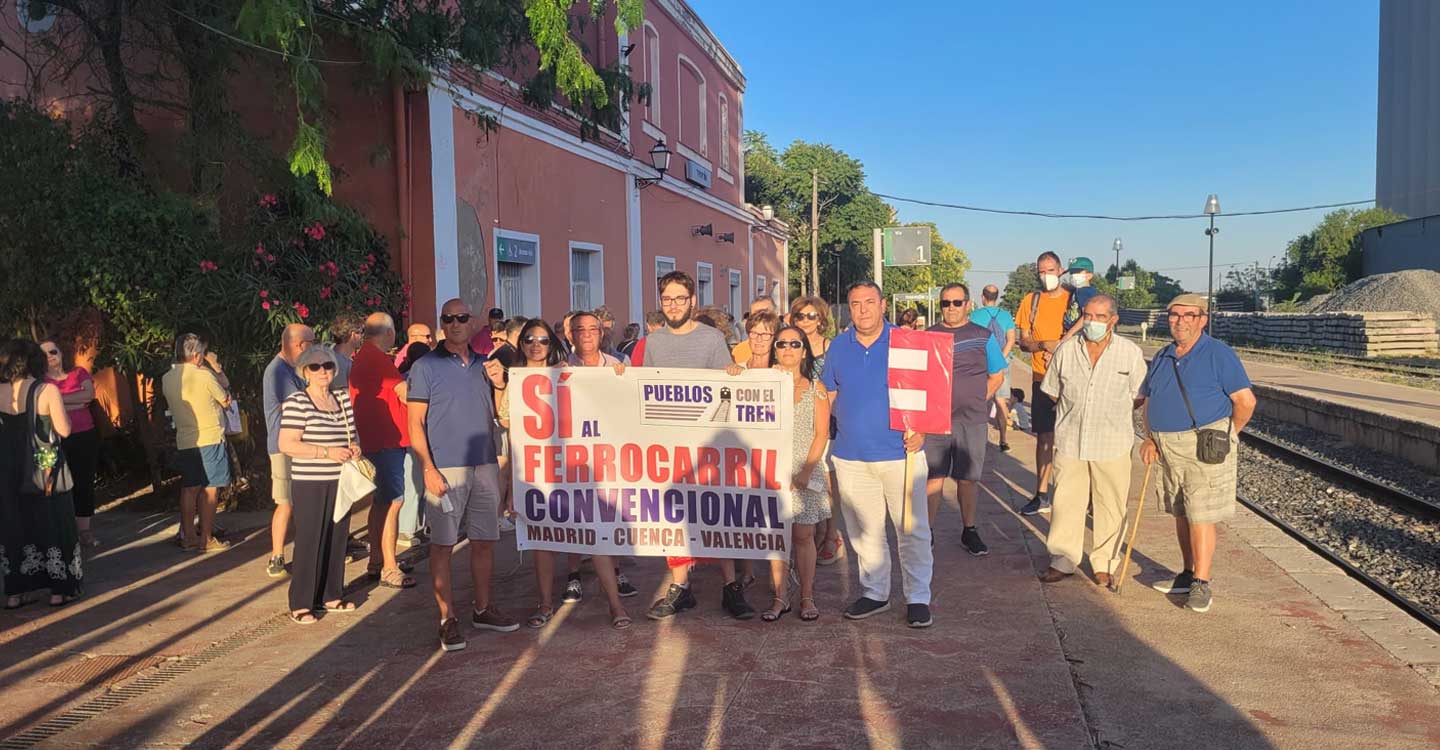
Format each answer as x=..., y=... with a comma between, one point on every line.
x=1095, y=379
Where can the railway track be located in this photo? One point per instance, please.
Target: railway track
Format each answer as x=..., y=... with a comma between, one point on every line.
x=1369, y=487
x=1344, y=360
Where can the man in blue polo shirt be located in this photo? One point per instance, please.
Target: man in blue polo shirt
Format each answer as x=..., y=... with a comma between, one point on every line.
x=451, y=422
x=1197, y=383
x=870, y=462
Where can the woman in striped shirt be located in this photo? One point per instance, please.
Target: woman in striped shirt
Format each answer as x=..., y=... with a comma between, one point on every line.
x=317, y=433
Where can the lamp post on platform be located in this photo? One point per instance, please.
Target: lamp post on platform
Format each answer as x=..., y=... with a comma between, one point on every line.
x=1118, y=247
x=1212, y=207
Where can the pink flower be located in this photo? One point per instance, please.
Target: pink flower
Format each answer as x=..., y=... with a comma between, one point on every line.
x=264, y=305
x=208, y=266
x=260, y=249
x=365, y=287
x=315, y=232
x=302, y=310
x=264, y=293
x=269, y=259
x=370, y=258
x=269, y=200
x=325, y=292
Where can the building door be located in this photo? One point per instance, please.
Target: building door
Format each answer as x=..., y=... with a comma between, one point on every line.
x=736, y=303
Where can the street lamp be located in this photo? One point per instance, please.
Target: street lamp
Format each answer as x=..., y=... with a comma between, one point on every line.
x=660, y=160
x=1118, y=247
x=1212, y=207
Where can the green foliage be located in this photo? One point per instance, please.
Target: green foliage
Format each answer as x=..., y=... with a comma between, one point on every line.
x=1328, y=256
x=550, y=28
x=1023, y=280
x=947, y=264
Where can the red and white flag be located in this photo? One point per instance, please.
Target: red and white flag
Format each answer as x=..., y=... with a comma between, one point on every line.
x=922, y=367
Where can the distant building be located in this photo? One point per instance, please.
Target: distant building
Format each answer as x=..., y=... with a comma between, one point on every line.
x=1407, y=153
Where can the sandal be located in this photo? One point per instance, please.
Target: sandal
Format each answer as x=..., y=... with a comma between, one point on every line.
x=375, y=573
x=63, y=600
x=303, y=618
x=747, y=581
x=541, y=617
x=774, y=613
x=343, y=608
x=15, y=602
x=395, y=578
x=621, y=622
x=810, y=613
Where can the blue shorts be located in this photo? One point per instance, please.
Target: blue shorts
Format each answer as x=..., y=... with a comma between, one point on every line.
x=389, y=474
x=206, y=466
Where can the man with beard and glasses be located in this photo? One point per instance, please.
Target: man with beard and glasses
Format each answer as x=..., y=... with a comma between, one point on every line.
x=685, y=343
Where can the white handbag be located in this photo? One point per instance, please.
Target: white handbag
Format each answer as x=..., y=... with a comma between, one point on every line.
x=231, y=417
x=357, y=477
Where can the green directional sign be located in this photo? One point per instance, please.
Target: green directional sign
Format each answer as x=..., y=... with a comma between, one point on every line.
x=905, y=246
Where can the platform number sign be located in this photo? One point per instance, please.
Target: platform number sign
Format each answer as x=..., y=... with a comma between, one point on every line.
x=906, y=246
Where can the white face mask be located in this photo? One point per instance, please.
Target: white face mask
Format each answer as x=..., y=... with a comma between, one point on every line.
x=1096, y=331
x=1079, y=281
x=1049, y=281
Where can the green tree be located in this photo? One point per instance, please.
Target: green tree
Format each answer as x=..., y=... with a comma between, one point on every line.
x=1328, y=256
x=1023, y=280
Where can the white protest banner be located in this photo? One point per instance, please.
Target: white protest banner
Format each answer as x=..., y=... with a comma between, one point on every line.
x=673, y=462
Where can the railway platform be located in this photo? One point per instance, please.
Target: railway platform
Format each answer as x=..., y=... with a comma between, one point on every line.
x=176, y=650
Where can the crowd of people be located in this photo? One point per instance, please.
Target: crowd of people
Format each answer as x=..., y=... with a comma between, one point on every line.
x=432, y=418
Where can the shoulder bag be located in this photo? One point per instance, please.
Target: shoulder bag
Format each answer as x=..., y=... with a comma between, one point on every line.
x=46, y=472
x=1211, y=446
x=357, y=476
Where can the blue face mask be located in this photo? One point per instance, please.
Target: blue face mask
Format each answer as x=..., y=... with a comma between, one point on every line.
x=1096, y=331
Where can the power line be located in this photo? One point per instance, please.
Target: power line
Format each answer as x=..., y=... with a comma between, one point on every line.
x=1106, y=217
x=254, y=46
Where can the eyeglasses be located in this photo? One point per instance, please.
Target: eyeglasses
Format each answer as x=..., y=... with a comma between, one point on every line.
x=318, y=366
x=673, y=301
x=587, y=329
x=461, y=318
x=953, y=302
x=533, y=340
x=791, y=344
x=761, y=334
x=806, y=316
x=1189, y=316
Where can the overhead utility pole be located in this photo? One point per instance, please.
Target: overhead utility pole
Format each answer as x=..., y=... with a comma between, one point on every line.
x=814, y=231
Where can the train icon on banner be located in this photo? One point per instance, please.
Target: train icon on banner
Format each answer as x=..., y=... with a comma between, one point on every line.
x=719, y=404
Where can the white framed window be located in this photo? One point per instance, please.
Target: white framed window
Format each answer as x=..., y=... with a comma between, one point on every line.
x=517, y=272
x=688, y=67
x=724, y=132
x=704, y=283
x=760, y=287
x=587, y=275
x=652, y=72
x=737, y=300
x=663, y=265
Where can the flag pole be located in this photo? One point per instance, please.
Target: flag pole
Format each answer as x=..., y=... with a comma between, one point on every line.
x=907, y=520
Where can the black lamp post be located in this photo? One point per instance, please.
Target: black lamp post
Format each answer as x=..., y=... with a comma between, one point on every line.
x=660, y=160
x=1118, y=247
x=1212, y=207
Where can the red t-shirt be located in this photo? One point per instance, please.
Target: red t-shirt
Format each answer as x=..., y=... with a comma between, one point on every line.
x=380, y=415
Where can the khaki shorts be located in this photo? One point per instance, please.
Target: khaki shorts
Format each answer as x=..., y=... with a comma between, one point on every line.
x=474, y=501
x=1198, y=492
x=280, y=478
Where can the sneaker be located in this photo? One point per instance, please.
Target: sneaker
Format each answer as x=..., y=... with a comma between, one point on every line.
x=356, y=549
x=1004, y=447
x=676, y=600
x=276, y=567
x=732, y=599
x=970, y=539
x=1039, y=504
x=493, y=619
x=573, y=592
x=212, y=546
x=1199, y=599
x=863, y=608
x=918, y=616
x=450, y=637
x=1181, y=584
x=627, y=590
x=506, y=525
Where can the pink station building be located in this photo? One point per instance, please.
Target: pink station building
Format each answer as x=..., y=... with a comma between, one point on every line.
x=530, y=217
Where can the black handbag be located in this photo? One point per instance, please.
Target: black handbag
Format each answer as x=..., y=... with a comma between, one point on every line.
x=46, y=471
x=1211, y=445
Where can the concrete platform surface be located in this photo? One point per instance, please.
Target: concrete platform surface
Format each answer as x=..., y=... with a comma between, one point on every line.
x=176, y=650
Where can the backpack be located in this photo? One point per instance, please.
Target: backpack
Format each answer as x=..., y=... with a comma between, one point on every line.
x=996, y=329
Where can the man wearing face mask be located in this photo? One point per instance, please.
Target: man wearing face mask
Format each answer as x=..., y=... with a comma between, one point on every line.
x=1078, y=279
x=1095, y=380
x=1041, y=320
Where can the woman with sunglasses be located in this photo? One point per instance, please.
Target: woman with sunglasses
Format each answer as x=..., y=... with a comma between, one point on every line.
x=82, y=447
x=809, y=483
x=317, y=433
x=812, y=316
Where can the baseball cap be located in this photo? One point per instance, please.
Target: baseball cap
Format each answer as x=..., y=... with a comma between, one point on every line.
x=496, y=314
x=1081, y=264
x=1190, y=299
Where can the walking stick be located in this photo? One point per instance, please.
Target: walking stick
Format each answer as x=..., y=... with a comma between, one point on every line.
x=1134, y=527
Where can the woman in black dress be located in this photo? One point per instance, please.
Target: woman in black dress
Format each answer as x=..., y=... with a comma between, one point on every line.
x=39, y=544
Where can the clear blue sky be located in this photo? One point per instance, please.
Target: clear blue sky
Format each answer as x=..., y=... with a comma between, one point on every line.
x=1111, y=107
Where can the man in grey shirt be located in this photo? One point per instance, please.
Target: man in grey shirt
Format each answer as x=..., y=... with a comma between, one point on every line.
x=685, y=343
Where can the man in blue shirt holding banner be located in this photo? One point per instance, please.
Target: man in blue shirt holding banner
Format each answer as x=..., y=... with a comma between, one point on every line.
x=870, y=462
x=1198, y=399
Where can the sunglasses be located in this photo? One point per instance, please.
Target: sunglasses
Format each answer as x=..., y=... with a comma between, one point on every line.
x=461, y=318
x=541, y=340
x=318, y=366
x=791, y=344
x=953, y=302
x=806, y=316
x=52, y=352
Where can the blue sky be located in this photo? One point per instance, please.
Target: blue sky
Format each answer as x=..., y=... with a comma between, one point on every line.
x=1110, y=107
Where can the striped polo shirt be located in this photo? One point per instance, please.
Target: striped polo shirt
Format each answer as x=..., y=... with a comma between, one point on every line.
x=330, y=429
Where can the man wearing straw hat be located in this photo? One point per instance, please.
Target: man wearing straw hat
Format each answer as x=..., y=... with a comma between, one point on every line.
x=1095, y=379
x=1198, y=399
